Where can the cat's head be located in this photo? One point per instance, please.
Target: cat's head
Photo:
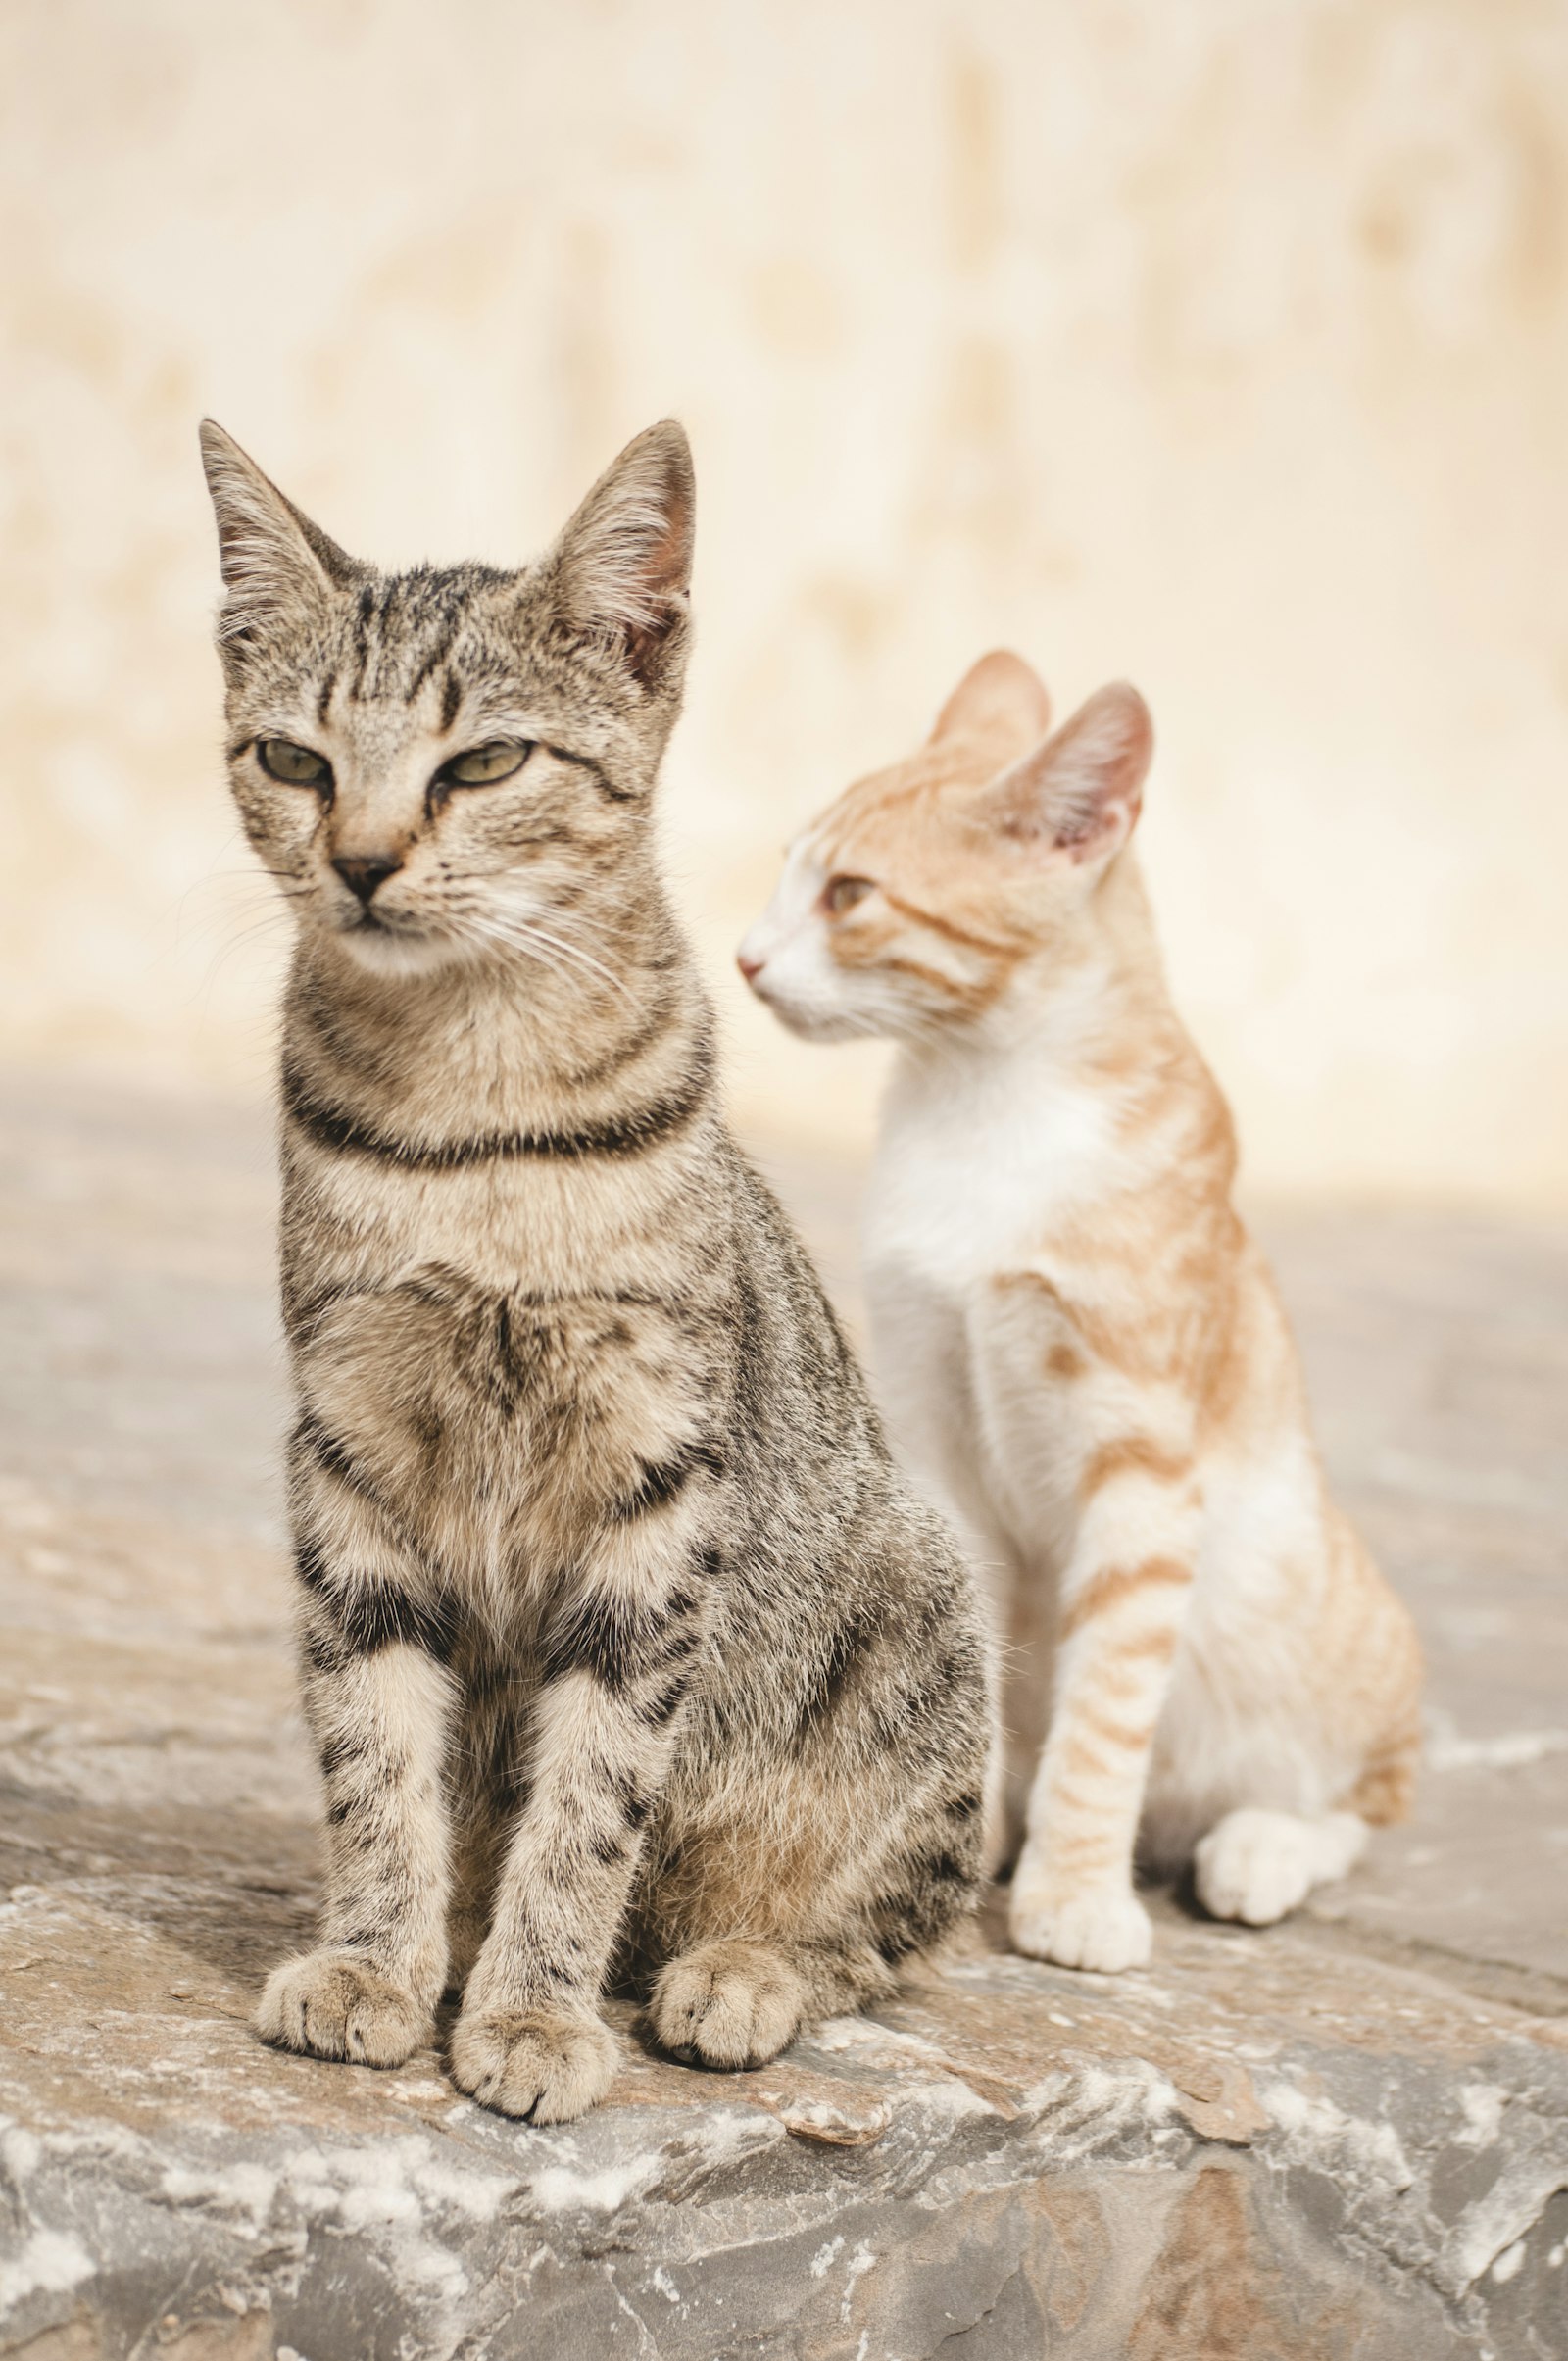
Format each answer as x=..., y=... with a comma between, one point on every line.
x=443, y=764
x=913, y=902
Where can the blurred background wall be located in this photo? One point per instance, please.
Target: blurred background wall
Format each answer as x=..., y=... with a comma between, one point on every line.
x=1222, y=345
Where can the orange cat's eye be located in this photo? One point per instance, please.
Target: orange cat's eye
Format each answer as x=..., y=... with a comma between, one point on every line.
x=843, y=893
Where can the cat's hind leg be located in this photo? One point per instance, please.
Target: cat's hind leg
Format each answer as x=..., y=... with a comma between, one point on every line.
x=732, y=2002
x=767, y=1928
x=1257, y=1866
x=756, y=1933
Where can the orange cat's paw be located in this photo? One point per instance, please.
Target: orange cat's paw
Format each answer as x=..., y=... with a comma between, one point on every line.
x=1257, y=1866
x=1107, y=1931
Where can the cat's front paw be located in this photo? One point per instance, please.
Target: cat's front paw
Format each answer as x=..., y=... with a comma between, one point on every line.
x=1105, y=1931
x=334, y=2004
x=548, y=2065
x=730, y=2004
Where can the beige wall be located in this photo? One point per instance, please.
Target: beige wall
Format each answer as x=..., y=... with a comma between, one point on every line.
x=1220, y=345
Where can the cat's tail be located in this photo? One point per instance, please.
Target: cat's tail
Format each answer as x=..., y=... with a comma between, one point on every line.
x=1383, y=1659
x=1386, y=1790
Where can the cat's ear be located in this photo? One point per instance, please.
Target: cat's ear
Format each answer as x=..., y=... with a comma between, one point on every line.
x=273, y=559
x=1080, y=793
x=623, y=565
x=999, y=695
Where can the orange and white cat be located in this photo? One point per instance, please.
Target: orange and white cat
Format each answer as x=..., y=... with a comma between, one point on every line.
x=1080, y=1349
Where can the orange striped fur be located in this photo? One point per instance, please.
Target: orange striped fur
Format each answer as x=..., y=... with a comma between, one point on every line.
x=1080, y=1348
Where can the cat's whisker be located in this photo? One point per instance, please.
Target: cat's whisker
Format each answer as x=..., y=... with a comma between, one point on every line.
x=523, y=933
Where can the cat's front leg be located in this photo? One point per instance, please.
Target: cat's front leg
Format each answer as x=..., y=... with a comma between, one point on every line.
x=530, y=2041
x=1123, y=1597
x=376, y=1631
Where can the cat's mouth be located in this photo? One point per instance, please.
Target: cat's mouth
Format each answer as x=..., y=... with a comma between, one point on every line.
x=381, y=927
x=392, y=946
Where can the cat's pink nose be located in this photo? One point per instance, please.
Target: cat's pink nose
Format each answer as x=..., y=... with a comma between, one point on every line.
x=749, y=968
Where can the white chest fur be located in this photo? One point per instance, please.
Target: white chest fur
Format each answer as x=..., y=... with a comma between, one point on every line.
x=976, y=1159
x=978, y=1156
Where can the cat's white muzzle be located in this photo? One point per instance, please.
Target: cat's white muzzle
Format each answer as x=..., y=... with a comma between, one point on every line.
x=792, y=975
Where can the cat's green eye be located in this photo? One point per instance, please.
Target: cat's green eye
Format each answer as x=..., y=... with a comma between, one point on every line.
x=843, y=893
x=295, y=765
x=484, y=765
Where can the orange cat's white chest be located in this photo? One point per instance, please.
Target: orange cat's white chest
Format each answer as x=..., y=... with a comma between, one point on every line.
x=975, y=1166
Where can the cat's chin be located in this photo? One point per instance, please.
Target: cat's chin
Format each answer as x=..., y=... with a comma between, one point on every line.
x=377, y=951
x=813, y=1025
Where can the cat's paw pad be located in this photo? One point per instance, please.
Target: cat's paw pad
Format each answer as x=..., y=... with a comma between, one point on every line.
x=334, y=2004
x=1105, y=1932
x=1259, y=1865
x=545, y=2064
x=727, y=2004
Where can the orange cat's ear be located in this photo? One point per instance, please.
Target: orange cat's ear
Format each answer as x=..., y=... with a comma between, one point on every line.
x=1080, y=793
x=998, y=697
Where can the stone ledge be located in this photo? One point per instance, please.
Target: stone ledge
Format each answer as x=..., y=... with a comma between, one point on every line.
x=1343, y=2141
x=1251, y=2149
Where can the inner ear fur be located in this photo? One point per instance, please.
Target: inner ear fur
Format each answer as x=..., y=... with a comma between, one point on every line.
x=623, y=565
x=1000, y=695
x=1080, y=792
x=272, y=554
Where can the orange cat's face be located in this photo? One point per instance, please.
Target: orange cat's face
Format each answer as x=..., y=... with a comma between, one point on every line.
x=915, y=899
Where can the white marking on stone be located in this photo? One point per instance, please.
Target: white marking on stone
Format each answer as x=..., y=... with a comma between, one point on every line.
x=416, y=2091
x=1316, y=2129
x=665, y=2286
x=559, y=2190
x=1483, y=2105
x=20, y=2151
x=1509, y=2211
x=237, y=2189
x=1508, y=2262
x=825, y=2258
x=480, y=2196
x=858, y=2033
x=49, y=2263
x=859, y=2263
x=952, y=2096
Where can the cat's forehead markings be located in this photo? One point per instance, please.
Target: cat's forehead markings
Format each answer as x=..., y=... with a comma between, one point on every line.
x=402, y=634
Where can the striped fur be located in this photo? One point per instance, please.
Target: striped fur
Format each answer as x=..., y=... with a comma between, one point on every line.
x=626, y=1652
x=1080, y=1349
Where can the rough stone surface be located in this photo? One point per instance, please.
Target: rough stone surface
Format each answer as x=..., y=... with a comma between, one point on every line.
x=1347, y=2136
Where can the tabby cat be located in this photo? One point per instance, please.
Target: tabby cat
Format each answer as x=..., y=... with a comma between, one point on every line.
x=1081, y=1351
x=626, y=1652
